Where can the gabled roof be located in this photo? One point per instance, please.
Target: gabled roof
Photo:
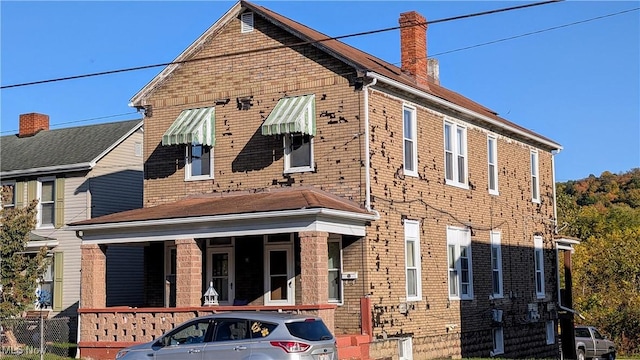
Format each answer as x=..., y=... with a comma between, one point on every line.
x=61, y=150
x=361, y=61
x=212, y=205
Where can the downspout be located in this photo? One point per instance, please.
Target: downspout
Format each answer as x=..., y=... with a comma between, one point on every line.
x=367, y=160
x=366, y=318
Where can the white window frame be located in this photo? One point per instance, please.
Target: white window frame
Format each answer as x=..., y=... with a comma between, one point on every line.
x=229, y=250
x=288, y=168
x=137, y=149
x=412, y=236
x=410, y=169
x=492, y=163
x=339, y=270
x=498, y=340
x=496, y=265
x=47, y=278
x=457, y=240
x=535, y=177
x=286, y=246
x=551, y=332
x=246, y=22
x=188, y=161
x=538, y=261
x=455, y=147
x=13, y=184
x=39, y=224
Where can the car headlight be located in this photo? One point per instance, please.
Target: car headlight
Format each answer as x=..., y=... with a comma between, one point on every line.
x=121, y=353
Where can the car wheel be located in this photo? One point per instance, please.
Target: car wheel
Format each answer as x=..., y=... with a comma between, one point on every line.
x=580, y=354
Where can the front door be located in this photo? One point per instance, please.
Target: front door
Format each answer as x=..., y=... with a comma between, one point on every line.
x=279, y=279
x=219, y=272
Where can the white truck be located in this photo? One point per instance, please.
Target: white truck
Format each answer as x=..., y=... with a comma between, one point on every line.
x=591, y=344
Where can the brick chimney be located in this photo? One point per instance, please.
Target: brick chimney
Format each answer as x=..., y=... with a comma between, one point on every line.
x=413, y=45
x=32, y=123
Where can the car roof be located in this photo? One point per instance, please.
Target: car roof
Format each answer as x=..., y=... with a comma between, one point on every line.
x=261, y=315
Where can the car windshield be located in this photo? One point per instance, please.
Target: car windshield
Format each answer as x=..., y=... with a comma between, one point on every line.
x=311, y=330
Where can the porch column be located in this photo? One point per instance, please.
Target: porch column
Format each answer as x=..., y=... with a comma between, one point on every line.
x=93, y=265
x=314, y=276
x=188, y=273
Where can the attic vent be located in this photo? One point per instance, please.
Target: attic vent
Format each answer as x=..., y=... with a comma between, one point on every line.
x=247, y=22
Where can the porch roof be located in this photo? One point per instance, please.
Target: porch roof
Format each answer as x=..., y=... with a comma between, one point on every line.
x=230, y=214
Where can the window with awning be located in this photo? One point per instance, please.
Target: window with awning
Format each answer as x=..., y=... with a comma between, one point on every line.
x=195, y=129
x=294, y=117
x=292, y=114
x=192, y=126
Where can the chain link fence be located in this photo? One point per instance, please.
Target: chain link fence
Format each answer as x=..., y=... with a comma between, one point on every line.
x=30, y=337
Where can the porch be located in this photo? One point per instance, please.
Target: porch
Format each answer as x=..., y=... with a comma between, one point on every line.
x=146, y=270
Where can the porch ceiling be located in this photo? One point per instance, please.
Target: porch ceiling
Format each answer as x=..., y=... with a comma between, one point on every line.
x=216, y=215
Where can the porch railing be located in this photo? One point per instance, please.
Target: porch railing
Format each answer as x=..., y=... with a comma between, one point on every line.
x=126, y=325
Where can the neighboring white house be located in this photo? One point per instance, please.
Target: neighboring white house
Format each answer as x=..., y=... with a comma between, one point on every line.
x=76, y=173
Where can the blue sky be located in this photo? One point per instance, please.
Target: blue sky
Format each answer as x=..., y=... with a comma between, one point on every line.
x=578, y=85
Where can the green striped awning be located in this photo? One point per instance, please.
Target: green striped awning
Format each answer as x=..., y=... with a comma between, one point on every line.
x=296, y=114
x=193, y=126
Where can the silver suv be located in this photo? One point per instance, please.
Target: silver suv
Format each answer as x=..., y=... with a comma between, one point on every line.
x=241, y=335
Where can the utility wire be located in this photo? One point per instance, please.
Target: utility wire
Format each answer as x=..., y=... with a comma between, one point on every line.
x=533, y=32
x=278, y=46
x=371, y=32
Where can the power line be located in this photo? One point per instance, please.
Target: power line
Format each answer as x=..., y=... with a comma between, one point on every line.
x=534, y=32
x=246, y=52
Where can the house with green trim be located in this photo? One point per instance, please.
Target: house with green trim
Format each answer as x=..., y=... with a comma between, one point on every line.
x=75, y=173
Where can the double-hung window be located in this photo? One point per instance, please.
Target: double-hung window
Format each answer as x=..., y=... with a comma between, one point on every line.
x=496, y=265
x=459, y=263
x=412, y=260
x=551, y=332
x=535, y=181
x=455, y=154
x=498, y=341
x=199, y=162
x=9, y=194
x=298, y=152
x=47, y=202
x=538, y=259
x=410, y=144
x=492, y=159
x=335, y=270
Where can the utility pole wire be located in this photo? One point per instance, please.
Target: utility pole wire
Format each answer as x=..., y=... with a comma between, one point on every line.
x=109, y=72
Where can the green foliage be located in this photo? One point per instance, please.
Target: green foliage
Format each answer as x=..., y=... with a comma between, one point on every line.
x=604, y=212
x=19, y=272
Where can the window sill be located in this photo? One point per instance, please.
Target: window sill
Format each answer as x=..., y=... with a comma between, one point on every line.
x=410, y=173
x=494, y=192
x=299, y=170
x=199, y=178
x=457, y=184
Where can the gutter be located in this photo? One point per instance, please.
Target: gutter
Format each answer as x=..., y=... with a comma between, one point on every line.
x=463, y=110
x=220, y=218
x=48, y=170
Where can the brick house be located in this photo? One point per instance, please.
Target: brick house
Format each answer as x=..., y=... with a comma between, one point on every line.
x=298, y=173
x=76, y=173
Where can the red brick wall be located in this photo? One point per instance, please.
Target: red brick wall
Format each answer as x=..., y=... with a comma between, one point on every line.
x=244, y=158
x=437, y=205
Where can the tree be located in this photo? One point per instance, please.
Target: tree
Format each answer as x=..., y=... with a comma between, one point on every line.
x=19, y=271
x=604, y=212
